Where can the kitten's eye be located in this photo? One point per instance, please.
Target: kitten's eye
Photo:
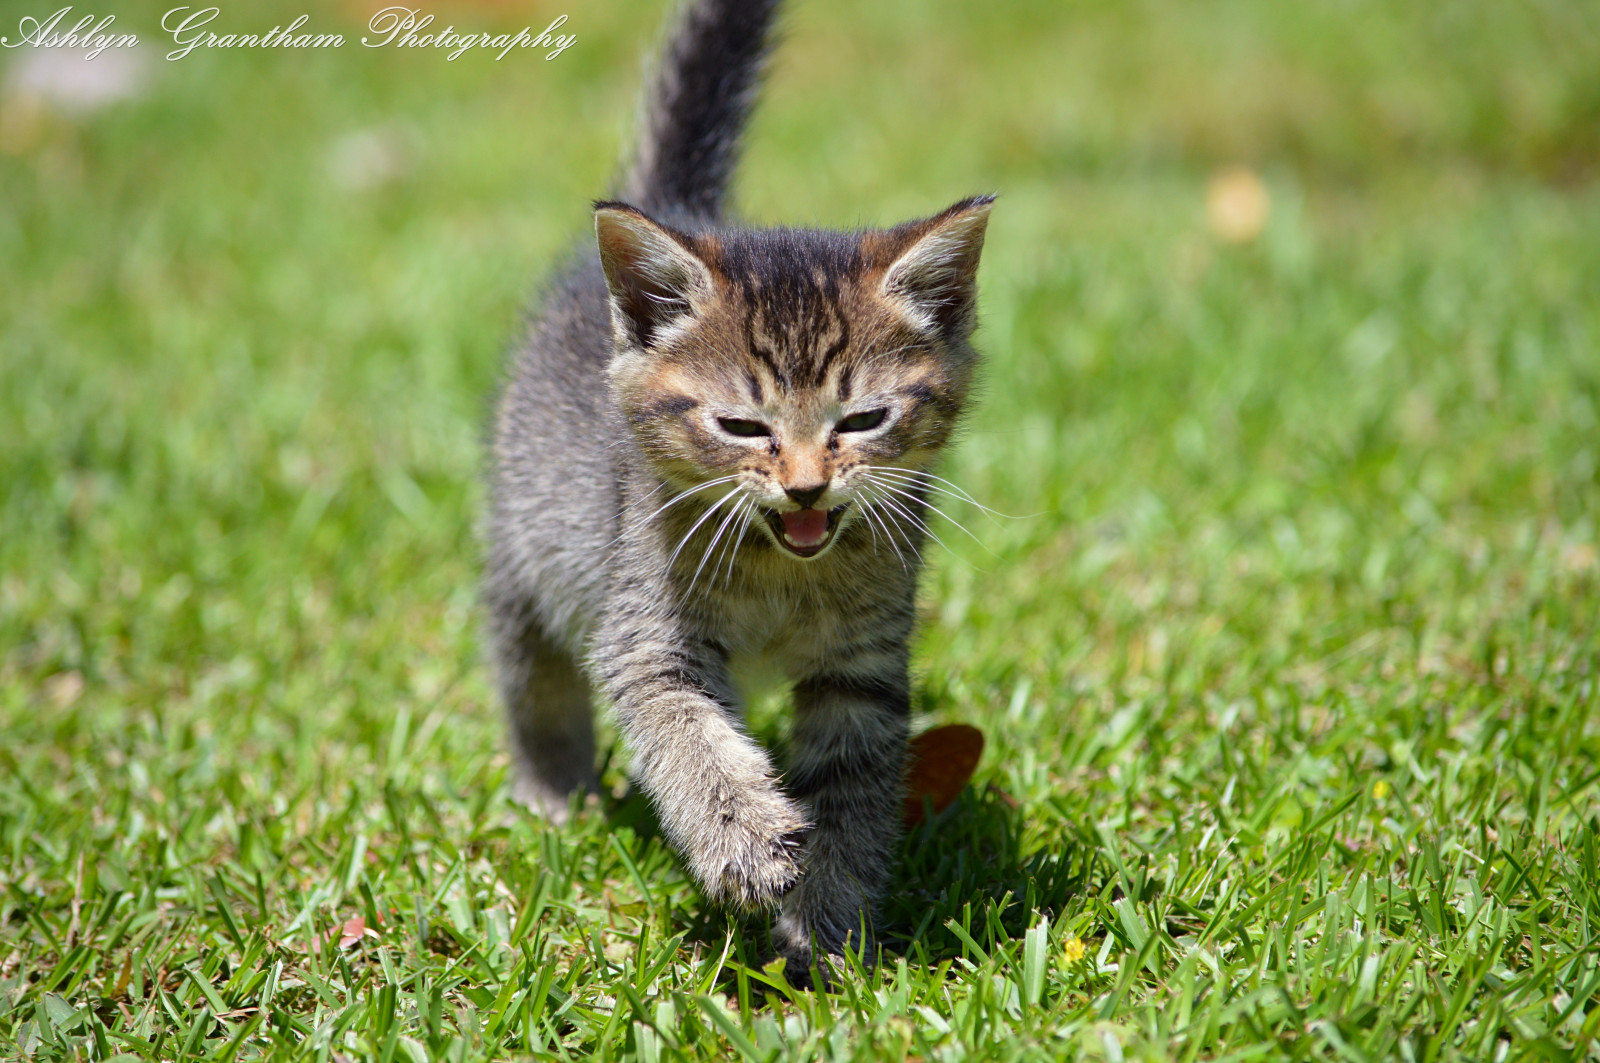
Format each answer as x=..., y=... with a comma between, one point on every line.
x=860, y=422
x=736, y=426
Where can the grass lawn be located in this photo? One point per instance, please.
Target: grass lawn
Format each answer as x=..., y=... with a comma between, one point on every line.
x=1287, y=663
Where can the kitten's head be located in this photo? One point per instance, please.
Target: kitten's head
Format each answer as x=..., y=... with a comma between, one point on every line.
x=804, y=366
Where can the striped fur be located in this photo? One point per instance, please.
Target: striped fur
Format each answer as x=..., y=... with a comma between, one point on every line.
x=686, y=385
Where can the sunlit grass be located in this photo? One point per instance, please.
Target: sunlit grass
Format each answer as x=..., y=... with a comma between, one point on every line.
x=1286, y=654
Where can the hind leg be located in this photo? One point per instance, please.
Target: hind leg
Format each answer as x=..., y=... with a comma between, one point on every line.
x=549, y=710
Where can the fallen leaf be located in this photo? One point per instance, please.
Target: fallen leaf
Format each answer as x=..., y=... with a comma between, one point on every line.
x=354, y=929
x=941, y=761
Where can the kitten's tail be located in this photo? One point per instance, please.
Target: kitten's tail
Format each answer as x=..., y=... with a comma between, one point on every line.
x=696, y=109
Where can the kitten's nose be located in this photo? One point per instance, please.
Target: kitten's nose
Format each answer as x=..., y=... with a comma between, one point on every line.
x=805, y=497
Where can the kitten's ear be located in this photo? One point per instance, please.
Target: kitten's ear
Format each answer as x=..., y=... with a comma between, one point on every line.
x=933, y=276
x=654, y=274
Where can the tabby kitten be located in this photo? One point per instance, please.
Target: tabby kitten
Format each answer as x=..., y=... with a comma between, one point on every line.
x=713, y=447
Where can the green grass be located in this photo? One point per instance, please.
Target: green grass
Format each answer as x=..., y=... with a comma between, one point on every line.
x=1288, y=666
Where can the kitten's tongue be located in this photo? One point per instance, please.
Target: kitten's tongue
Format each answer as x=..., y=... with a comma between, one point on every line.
x=805, y=527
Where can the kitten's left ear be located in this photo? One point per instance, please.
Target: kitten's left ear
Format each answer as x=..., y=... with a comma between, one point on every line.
x=933, y=277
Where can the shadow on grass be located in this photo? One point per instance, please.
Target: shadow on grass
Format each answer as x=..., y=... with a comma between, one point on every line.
x=965, y=865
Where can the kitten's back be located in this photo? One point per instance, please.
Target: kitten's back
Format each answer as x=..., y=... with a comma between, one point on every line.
x=551, y=434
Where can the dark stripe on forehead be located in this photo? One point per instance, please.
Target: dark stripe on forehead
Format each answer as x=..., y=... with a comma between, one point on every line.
x=796, y=318
x=792, y=279
x=830, y=298
x=761, y=354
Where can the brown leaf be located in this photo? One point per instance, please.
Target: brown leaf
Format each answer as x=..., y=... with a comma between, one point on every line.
x=354, y=929
x=941, y=761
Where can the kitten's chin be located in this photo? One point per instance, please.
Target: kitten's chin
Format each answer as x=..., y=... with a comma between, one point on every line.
x=806, y=534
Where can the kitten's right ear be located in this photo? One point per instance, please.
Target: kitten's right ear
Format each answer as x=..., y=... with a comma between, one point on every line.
x=654, y=275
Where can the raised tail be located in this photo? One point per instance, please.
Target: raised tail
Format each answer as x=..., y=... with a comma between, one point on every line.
x=695, y=110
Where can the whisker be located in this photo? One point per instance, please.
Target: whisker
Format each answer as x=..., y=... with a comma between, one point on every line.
x=942, y=513
x=951, y=487
x=874, y=534
x=738, y=541
x=696, y=525
x=891, y=519
x=897, y=523
x=642, y=521
x=929, y=532
x=647, y=496
x=873, y=520
x=712, y=545
x=933, y=478
x=687, y=492
x=960, y=496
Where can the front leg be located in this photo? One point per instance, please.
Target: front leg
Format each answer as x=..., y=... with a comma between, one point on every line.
x=712, y=786
x=849, y=748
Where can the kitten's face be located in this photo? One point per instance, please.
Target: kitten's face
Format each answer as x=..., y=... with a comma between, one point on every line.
x=793, y=377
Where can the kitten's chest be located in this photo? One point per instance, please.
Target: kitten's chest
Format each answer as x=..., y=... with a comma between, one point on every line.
x=784, y=629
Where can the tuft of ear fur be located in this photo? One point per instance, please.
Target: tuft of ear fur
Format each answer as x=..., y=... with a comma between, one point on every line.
x=653, y=272
x=933, y=279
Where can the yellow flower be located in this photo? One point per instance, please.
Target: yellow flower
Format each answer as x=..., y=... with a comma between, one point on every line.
x=1380, y=790
x=1073, y=951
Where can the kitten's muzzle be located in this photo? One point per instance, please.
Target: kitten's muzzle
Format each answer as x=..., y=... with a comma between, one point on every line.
x=804, y=532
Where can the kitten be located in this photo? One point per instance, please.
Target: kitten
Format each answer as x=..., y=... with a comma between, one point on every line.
x=713, y=447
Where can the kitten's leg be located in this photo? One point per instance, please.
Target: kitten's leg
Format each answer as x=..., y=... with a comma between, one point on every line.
x=548, y=706
x=849, y=748
x=712, y=786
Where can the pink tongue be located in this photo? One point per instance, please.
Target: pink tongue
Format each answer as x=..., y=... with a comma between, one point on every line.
x=806, y=527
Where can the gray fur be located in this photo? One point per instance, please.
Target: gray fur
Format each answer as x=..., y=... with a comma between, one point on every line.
x=638, y=546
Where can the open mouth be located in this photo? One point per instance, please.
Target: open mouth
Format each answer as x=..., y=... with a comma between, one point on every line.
x=804, y=532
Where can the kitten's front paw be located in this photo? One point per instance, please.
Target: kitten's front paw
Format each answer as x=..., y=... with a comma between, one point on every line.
x=750, y=855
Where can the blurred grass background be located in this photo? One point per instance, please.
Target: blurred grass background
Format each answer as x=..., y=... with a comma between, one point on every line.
x=1306, y=507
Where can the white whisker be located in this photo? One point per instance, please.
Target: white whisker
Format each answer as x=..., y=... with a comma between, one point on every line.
x=873, y=520
x=890, y=518
x=917, y=481
x=900, y=508
x=739, y=537
x=712, y=545
x=642, y=521
x=696, y=526
x=932, y=481
x=929, y=505
x=874, y=533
